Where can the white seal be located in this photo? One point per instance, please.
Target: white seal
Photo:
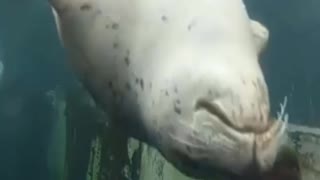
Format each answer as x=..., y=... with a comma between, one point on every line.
x=183, y=76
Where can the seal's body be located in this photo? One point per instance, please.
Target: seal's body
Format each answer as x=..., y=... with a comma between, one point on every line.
x=180, y=75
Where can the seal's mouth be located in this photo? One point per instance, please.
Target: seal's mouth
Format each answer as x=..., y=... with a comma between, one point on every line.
x=271, y=129
x=266, y=142
x=213, y=140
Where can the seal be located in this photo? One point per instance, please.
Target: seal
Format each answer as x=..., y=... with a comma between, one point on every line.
x=182, y=76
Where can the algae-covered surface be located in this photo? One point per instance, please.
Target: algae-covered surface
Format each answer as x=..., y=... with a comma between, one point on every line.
x=306, y=141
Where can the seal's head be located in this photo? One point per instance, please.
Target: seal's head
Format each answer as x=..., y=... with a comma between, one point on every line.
x=186, y=72
x=215, y=117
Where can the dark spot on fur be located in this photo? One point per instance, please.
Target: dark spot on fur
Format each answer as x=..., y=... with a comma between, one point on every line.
x=175, y=89
x=85, y=7
x=128, y=86
x=115, y=45
x=107, y=26
x=137, y=80
x=177, y=110
x=141, y=84
x=115, y=26
x=166, y=93
x=254, y=84
x=127, y=58
x=150, y=85
x=178, y=101
x=190, y=26
x=164, y=18
x=244, y=82
x=127, y=61
x=210, y=92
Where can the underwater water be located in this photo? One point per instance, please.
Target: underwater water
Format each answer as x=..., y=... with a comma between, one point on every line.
x=50, y=128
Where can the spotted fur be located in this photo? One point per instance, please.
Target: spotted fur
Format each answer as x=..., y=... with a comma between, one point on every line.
x=183, y=76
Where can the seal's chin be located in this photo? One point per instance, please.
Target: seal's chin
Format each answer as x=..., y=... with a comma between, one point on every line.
x=211, y=143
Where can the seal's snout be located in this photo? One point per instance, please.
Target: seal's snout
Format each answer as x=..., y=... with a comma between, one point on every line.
x=213, y=141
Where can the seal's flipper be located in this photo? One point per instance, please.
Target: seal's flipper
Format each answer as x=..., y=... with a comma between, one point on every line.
x=260, y=35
